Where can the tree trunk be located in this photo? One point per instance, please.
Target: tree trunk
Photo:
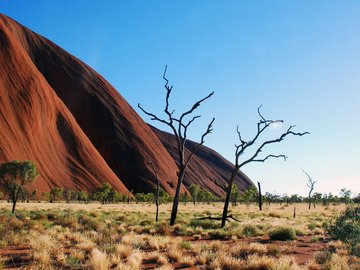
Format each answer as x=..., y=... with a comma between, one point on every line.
x=177, y=195
x=309, y=200
x=13, y=207
x=157, y=201
x=260, y=197
x=14, y=200
x=228, y=197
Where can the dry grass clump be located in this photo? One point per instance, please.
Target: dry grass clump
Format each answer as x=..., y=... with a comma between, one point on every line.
x=12, y=239
x=78, y=255
x=41, y=258
x=134, y=260
x=244, y=250
x=216, y=246
x=165, y=267
x=204, y=257
x=85, y=244
x=98, y=260
x=227, y=262
x=60, y=259
x=157, y=257
x=256, y=262
x=42, y=248
x=338, y=263
x=156, y=243
x=187, y=261
x=123, y=251
x=135, y=241
x=286, y=263
x=174, y=254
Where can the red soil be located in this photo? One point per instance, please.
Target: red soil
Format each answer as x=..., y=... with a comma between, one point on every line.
x=302, y=250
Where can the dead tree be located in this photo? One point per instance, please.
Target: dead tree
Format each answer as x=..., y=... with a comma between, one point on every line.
x=157, y=191
x=240, y=149
x=260, y=197
x=310, y=184
x=179, y=127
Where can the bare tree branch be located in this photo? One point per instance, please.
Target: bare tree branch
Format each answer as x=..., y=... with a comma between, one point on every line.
x=282, y=137
x=196, y=105
x=193, y=151
x=180, y=129
x=270, y=156
x=240, y=149
x=310, y=184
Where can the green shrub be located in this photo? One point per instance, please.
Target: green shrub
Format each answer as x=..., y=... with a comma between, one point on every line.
x=219, y=234
x=282, y=233
x=185, y=245
x=89, y=223
x=204, y=223
x=72, y=261
x=346, y=228
x=69, y=222
x=300, y=232
x=250, y=230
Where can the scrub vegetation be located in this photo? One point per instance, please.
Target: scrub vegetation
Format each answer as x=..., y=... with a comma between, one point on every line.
x=126, y=236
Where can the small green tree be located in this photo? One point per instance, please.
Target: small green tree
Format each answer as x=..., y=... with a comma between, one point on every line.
x=56, y=194
x=205, y=195
x=103, y=193
x=194, y=192
x=14, y=176
x=235, y=194
x=68, y=195
x=345, y=195
x=357, y=199
x=250, y=195
x=82, y=196
x=317, y=197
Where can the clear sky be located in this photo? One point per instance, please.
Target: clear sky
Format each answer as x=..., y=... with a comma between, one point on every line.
x=299, y=59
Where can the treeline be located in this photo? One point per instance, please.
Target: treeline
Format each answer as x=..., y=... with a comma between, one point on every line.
x=325, y=199
x=107, y=195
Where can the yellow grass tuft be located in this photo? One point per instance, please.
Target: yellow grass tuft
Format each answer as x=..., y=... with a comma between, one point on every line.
x=98, y=260
x=42, y=258
x=123, y=251
x=135, y=260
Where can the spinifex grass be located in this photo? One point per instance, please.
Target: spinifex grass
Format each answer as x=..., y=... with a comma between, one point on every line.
x=124, y=236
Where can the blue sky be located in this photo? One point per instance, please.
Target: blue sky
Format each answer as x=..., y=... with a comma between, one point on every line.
x=299, y=59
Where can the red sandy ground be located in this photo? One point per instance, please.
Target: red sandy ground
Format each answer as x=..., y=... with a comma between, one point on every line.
x=301, y=249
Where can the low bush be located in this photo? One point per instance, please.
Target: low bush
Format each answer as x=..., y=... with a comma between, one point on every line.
x=219, y=234
x=204, y=223
x=282, y=234
x=346, y=228
x=250, y=230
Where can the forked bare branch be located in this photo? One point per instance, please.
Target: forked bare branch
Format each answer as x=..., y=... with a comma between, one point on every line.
x=180, y=126
x=262, y=125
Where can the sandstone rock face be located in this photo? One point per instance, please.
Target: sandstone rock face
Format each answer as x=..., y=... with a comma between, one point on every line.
x=78, y=130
